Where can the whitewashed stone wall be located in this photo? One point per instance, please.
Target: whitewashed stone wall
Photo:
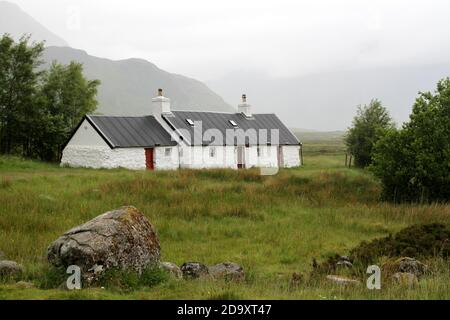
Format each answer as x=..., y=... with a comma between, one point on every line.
x=198, y=157
x=291, y=156
x=166, y=162
x=267, y=158
x=103, y=157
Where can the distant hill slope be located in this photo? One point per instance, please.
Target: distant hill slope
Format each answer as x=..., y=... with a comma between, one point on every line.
x=129, y=85
x=328, y=100
x=17, y=23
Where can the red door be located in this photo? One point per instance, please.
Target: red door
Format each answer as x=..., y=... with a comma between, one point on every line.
x=149, y=159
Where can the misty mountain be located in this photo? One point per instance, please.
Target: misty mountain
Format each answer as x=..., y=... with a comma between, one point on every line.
x=328, y=101
x=16, y=22
x=127, y=86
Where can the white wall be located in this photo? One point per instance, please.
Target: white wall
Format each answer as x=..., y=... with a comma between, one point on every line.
x=87, y=136
x=103, y=157
x=163, y=162
x=198, y=157
x=268, y=156
x=291, y=156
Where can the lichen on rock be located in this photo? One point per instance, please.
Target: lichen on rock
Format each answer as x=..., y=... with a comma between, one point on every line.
x=122, y=239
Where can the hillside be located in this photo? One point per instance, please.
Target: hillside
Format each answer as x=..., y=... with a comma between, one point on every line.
x=16, y=22
x=127, y=86
x=328, y=100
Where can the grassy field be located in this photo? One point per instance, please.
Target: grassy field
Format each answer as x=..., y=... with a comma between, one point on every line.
x=272, y=226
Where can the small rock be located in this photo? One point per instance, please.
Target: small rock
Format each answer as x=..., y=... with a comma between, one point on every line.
x=97, y=270
x=10, y=268
x=46, y=197
x=405, y=279
x=347, y=264
x=410, y=265
x=171, y=268
x=193, y=270
x=344, y=261
x=405, y=265
x=228, y=271
x=296, y=280
x=25, y=285
x=341, y=280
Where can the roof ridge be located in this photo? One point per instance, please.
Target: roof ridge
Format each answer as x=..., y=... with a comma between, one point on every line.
x=115, y=116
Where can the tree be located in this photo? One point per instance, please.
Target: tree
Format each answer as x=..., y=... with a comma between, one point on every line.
x=370, y=123
x=18, y=79
x=414, y=163
x=39, y=109
x=65, y=96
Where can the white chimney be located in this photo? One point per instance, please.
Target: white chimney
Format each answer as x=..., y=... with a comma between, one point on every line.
x=160, y=104
x=244, y=107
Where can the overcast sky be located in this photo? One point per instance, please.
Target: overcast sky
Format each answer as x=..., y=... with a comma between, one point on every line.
x=208, y=39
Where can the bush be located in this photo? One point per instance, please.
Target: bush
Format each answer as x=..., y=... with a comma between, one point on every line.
x=414, y=242
x=418, y=241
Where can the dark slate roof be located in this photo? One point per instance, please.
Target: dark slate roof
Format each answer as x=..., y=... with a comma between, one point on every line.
x=128, y=132
x=220, y=121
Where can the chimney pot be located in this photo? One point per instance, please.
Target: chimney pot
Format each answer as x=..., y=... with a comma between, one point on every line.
x=244, y=107
x=160, y=104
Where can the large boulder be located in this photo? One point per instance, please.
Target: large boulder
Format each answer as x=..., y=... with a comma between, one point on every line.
x=123, y=238
x=10, y=268
x=227, y=271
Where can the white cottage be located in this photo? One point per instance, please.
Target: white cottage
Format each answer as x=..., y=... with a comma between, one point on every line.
x=167, y=139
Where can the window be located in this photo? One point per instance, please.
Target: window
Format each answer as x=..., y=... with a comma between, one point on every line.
x=233, y=123
x=168, y=152
x=190, y=122
x=212, y=152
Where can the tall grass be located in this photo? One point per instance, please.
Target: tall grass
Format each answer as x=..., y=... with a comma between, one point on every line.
x=272, y=226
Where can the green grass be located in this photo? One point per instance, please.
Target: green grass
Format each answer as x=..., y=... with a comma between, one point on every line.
x=272, y=226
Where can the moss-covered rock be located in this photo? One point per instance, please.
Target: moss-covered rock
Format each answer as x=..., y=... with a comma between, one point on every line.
x=121, y=239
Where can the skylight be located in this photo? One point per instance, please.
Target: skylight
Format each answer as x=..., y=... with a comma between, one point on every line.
x=190, y=122
x=233, y=123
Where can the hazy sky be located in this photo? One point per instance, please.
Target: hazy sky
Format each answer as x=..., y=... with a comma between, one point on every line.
x=208, y=39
